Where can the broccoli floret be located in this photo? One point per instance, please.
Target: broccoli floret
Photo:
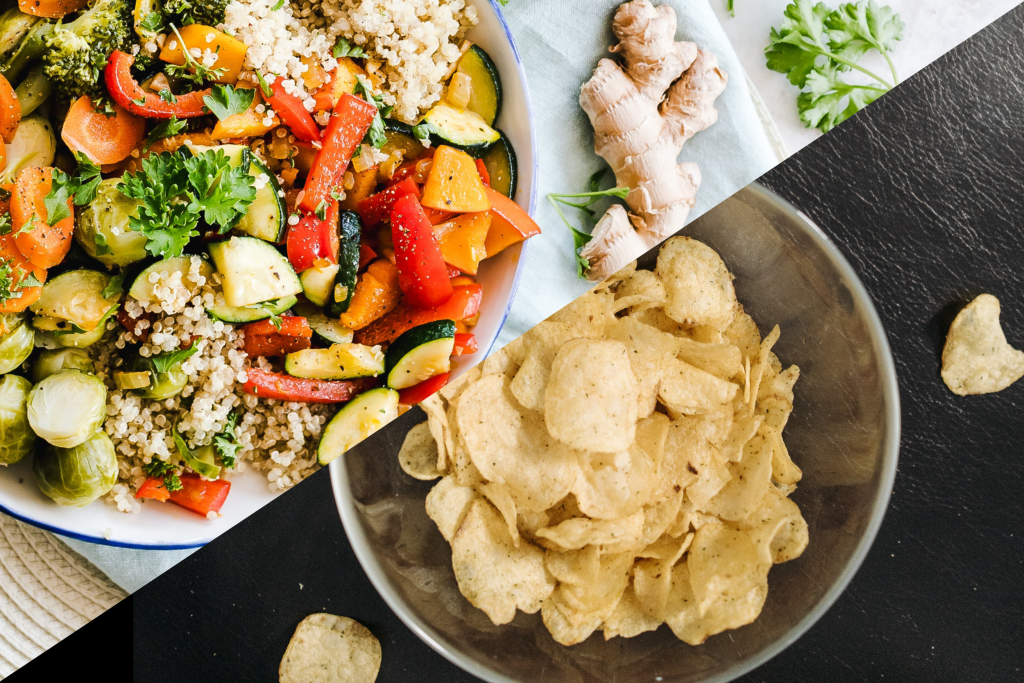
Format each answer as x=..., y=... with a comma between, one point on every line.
x=77, y=52
x=185, y=12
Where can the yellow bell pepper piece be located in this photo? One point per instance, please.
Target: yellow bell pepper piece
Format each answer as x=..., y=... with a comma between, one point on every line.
x=230, y=51
x=248, y=124
x=463, y=240
x=454, y=184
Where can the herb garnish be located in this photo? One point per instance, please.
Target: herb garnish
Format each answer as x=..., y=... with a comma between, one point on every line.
x=166, y=471
x=165, y=361
x=376, y=136
x=579, y=237
x=226, y=443
x=225, y=100
x=82, y=186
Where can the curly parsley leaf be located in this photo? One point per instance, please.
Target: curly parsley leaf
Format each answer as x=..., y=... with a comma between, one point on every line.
x=225, y=100
x=222, y=191
x=5, y=224
x=166, y=471
x=343, y=48
x=165, y=129
x=165, y=361
x=153, y=23
x=226, y=443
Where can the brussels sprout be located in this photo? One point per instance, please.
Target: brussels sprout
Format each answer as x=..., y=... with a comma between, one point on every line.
x=161, y=384
x=76, y=476
x=16, y=437
x=102, y=227
x=67, y=407
x=50, y=361
x=49, y=334
x=34, y=144
x=15, y=347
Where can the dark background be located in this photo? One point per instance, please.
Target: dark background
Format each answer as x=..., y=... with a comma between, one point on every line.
x=924, y=193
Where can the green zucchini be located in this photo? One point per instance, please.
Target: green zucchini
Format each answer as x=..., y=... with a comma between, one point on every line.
x=251, y=314
x=400, y=137
x=485, y=93
x=340, y=361
x=76, y=297
x=460, y=128
x=360, y=417
x=318, y=283
x=142, y=287
x=239, y=155
x=266, y=216
x=326, y=331
x=253, y=271
x=502, y=167
x=420, y=353
x=340, y=298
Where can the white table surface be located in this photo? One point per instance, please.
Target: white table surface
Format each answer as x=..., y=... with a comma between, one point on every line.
x=933, y=27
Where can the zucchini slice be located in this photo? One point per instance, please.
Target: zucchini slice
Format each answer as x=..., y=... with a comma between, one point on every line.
x=420, y=353
x=326, y=331
x=251, y=314
x=341, y=361
x=318, y=283
x=502, y=167
x=362, y=416
x=253, y=271
x=238, y=155
x=345, y=280
x=401, y=138
x=142, y=287
x=76, y=297
x=460, y=128
x=266, y=216
x=485, y=95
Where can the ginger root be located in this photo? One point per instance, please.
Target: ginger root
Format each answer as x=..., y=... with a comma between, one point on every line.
x=642, y=114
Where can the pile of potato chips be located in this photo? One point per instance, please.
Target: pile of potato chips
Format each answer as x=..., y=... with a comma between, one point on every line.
x=621, y=465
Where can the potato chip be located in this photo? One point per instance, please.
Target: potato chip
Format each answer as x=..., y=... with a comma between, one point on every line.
x=689, y=391
x=574, y=567
x=542, y=344
x=743, y=334
x=451, y=392
x=659, y=516
x=574, y=611
x=650, y=350
x=743, y=429
x=641, y=290
x=613, y=485
x=588, y=314
x=780, y=385
x=784, y=470
x=704, y=458
x=692, y=626
x=577, y=532
x=500, y=498
x=591, y=398
x=440, y=429
x=513, y=448
x=651, y=434
x=652, y=578
x=723, y=564
x=721, y=360
x=492, y=573
x=976, y=358
x=418, y=455
x=628, y=619
x=447, y=504
x=330, y=649
x=748, y=480
x=698, y=284
x=758, y=368
x=777, y=528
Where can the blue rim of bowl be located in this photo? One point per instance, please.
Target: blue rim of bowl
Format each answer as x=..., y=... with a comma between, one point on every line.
x=100, y=540
x=890, y=453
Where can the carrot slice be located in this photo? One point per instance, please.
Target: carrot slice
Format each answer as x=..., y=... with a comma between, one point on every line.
x=51, y=9
x=44, y=245
x=10, y=111
x=104, y=139
x=11, y=258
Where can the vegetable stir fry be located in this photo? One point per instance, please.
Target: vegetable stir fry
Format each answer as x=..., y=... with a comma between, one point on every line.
x=189, y=245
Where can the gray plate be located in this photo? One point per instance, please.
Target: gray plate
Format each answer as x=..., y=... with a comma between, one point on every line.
x=844, y=434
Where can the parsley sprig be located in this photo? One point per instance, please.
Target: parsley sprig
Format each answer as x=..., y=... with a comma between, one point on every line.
x=165, y=361
x=166, y=471
x=175, y=192
x=585, y=201
x=81, y=186
x=816, y=46
x=226, y=443
x=226, y=100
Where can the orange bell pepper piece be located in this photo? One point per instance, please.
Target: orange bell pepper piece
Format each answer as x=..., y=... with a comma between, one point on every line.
x=454, y=184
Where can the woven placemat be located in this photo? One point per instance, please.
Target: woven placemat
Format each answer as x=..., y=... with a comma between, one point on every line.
x=47, y=592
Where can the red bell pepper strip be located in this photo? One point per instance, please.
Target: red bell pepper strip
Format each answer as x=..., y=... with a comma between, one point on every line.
x=482, y=170
x=349, y=123
x=126, y=92
x=366, y=255
x=377, y=207
x=465, y=344
x=423, y=390
x=263, y=339
x=291, y=325
x=464, y=303
x=422, y=272
x=287, y=388
x=311, y=239
x=453, y=272
x=292, y=112
x=196, y=494
x=403, y=172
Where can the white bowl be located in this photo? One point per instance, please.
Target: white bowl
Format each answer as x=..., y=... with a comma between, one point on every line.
x=167, y=526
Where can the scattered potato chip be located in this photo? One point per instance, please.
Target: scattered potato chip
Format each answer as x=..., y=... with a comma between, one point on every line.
x=977, y=359
x=621, y=465
x=492, y=573
x=418, y=456
x=698, y=284
x=591, y=398
x=330, y=649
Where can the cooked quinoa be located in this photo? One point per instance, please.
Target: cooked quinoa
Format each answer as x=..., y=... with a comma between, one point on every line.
x=410, y=44
x=278, y=438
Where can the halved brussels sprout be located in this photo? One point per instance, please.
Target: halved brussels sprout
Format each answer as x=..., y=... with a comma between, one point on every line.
x=161, y=385
x=34, y=144
x=15, y=347
x=67, y=407
x=16, y=437
x=102, y=227
x=76, y=297
x=51, y=361
x=50, y=334
x=77, y=476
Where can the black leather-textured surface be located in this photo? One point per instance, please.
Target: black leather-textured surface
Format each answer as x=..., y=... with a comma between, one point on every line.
x=924, y=193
